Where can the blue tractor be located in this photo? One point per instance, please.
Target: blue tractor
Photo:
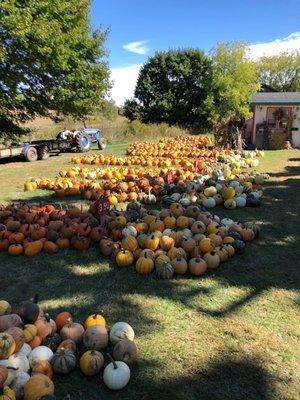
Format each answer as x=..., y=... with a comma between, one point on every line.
x=82, y=139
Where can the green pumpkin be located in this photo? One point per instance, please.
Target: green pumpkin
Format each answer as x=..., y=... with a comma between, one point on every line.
x=63, y=361
x=239, y=246
x=52, y=341
x=164, y=271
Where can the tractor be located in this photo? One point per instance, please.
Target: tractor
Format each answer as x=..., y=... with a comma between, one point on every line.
x=82, y=139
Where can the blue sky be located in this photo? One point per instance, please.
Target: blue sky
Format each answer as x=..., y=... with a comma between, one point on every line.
x=164, y=24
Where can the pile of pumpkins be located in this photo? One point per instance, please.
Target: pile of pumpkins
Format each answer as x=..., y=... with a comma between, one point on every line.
x=35, y=347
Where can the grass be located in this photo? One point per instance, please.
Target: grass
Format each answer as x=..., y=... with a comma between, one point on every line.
x=232, y=335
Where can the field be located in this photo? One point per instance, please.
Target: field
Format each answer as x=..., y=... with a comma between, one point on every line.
x=232, y=335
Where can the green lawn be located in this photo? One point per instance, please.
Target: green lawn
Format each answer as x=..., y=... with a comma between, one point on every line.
x=232, y=335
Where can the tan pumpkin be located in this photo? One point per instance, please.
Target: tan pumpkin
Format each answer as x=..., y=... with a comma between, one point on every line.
x=197, y=266
x=166, y=242
x=222, y=253
x=6, y=393
x=7, y=345
x=72, y=330
x=124, y=258
x=206, y=245
x=125, y=350
x=95, y=337
x=188, y=244
x=216, y=239
x=144, y=265
x=150, y=253
x=182, y=222
x=177, y=237
x=179, y=265
x=230, y=250
x=8, y=321
x=176, y=252
x=170, y=222
x=129, y=243
x=247, y=234
x=176, y=209
x=198, y=227
x=45, y=326
x=39, y=385
x=212, y=259
x=91, y=362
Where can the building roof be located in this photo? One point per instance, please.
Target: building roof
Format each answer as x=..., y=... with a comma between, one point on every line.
x=275, y=98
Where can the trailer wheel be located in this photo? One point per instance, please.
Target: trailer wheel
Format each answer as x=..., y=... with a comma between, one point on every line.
x=31, y=154
x=43, y=153
x=102, y=143
x=83, y=143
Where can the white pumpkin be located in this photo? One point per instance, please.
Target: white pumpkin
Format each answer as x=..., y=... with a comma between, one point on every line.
x=175, y=196
x=12, y=371
x=20, y=361
x=240, y=201
x=129, y=231
x=209, y=202
x=18, y=384
x=121, y=330
x=116, y=375
x=185, y=202
x=25, y=349
x=167, y=232
x=40, y=353
x=227, y=221
x=187, y=233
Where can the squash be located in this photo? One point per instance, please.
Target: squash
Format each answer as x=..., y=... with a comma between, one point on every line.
x=29, y=311
x=119, y=331
x=125, y=350
x=188, y=244
x=124, y=258
x=35, y=342
x=247, y=234
x=29, y=332
x=179, y=265
x=152, y=242
x=7, y=345
x=45, y=326
x=72, y=330
x=67, y=344
x=161, y=259
x=144, y=265
x=91, y=362
x=166, y=242
x=62, y=319
x=6, y=393
x=95, y=319
x=40, y=353
x=43, y=367
x=164, y=271
x=18, y=335
x=129, y=243
x=5, y=307
x=20, y=361
x=25, y=349
x=18, y=384
x=33, y=248
x=197, y=266
x=95, y=337
x=212, y=259
x=8, y=321
x=239, y=246
x=116, y=375
x=63, y=361
x=206, y=245
x=230, y=249
x=38, y=385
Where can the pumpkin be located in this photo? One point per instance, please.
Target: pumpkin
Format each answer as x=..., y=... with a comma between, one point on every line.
x=119, y=331
x=222, y=253
x=230, y=249
x=116, y=375
x=62, y=319
x=197, y=266
x=18, y=335
x=29, y=311
x=150, y=253
x=228, y=193
x=12, y=372
x=33, y=248
x=25, y=349
x=63, y=361
x=176, y=209
x=144, y=265
x=175, y=252
x=52, y=341
x=19, y=383
x=166, y=242
x=72, y=330
x=188, y=244
x=129, y=243
x=91, y=362
x=182, y=222
x=95, y=337
x=15, y=249
x=43, y=367
x=177, y=236
x=3, y=374
x=68, y=344
x=95, y=319
x=216, y=239
x=198, y=227
x=212, y=259
x=35, y=342
x=239, y=246
x=6, y=393
x=247, y=234
x=125, y=350
x=152, y=242
x=37, y=386
x=179, y=265
x=40, y=353
x=124, y=258
x=29, y=332
x=230, y=204
x=164, y=271
x=206, y=245
x=209, y=202
x=252, y=225
x=7, y=345
x=161, y=259
x=50, y=247
x=8, y=321
x=170, y=222
x=20, y=361
x=5, y=307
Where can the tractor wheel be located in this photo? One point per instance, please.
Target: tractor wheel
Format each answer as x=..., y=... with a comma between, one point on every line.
x=83, y=143
x=31, y=154
x=102, y=143
x=43, y=153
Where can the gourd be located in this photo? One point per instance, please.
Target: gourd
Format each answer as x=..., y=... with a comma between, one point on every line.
x=29, y=332
x=18, y=335
x=29, y=311
x=144, y=265
x=18, y=384
x=43, y=367
x=124, y=258
x=125, y=350
x=62, y=319
x=63, y=361
x=197, y=266
x=164, y=271
x=179, y=265
x=37, y=386
x=8, y=321
x=95, y=319
x=119, y=331
x=20, y=362
x=95, y=337
x=25, y=349
x=7, y=345
x=116, y=375
x=40, y=353
x=72, y=330
x=6, y=393
x=91, y=362
x=5, y=307
x=68, y=344
x=212, y=259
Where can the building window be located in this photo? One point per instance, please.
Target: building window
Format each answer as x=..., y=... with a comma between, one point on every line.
x=278, y=117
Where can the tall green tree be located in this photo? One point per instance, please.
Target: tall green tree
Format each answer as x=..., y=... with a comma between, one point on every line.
x=235, y=80
x=172, y=87
x=281, y=72
x=51, y=62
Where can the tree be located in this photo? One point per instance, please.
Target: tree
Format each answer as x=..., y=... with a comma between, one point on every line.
x=172, y=87
x=51, y=63
x=131, y=109
x=235, y=80
x=281, y=72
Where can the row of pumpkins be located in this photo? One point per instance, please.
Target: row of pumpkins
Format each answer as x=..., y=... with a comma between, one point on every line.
x=34, y=347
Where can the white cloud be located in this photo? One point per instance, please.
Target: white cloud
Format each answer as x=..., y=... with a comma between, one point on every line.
x=137, y=47
x=275, y=47
x=124, y=81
